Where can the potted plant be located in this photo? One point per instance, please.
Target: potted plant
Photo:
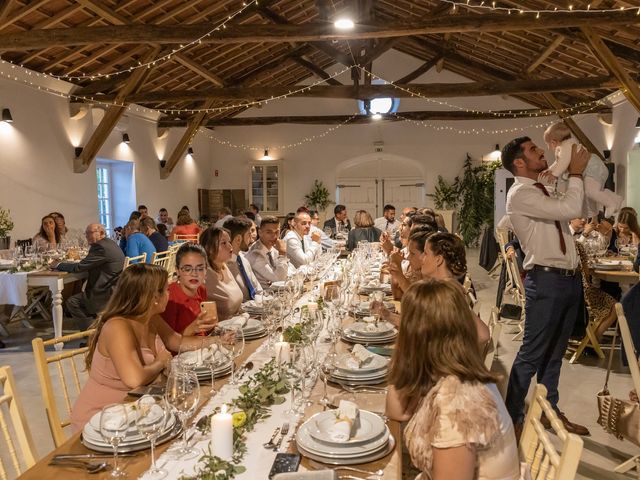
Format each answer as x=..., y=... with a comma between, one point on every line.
x=446, y=197
x=318, y=198
x=6, y=225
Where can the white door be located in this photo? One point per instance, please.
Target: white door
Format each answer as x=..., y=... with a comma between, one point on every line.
x=357, y=194
x=372, y=194
x=402, y=193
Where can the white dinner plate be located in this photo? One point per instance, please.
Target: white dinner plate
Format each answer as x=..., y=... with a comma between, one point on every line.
x=391, y=444
x=338, y=375
x=133, y=437
x=376, y=363
x=126, y=448
x=369, y=329
x=369, y=427
x=306, y=441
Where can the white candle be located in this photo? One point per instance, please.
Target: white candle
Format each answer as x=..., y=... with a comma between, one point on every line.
x=283, y=351
x=222, y=434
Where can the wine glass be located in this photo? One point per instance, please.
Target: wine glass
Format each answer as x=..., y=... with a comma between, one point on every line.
x=114, y=423
x=190, y=356
x=213, y=358
x=327, y=367
x=183, y=394
x=151, y=418
x=293, y=372
x=232, y=338
x=311, y=363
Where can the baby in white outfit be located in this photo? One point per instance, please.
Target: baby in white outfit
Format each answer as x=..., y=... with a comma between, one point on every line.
x=558, y=137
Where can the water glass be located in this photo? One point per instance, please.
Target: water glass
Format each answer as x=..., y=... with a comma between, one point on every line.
x=327, y=367
x=114, y=423
x=151, y=419
x=182, y=393
x=293, y=372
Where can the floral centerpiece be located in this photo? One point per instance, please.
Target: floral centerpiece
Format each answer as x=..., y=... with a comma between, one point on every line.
x=6, y=225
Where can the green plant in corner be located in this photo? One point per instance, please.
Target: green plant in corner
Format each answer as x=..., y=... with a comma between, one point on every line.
x=6, y=224
x=446, y=196
x=318, y=197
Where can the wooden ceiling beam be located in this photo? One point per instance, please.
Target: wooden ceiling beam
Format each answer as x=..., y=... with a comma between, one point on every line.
x=446, y=115
x=198, y=69
x=435, y=90
x=424, y=68
x=315, y=69
x=18, y=15
x=112, y=115
x=545, y=53
x=611, y=63
x=308, y=32
x=4, y=10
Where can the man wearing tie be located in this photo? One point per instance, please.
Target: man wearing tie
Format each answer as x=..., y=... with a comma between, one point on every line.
x=553, y=283
x=240, y=233
x=268, y=255
x=339, y=222
x=387, y=222
x=301, y=248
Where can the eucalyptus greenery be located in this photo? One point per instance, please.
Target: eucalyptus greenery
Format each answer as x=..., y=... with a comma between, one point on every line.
x=319, y=197
x=446, y=196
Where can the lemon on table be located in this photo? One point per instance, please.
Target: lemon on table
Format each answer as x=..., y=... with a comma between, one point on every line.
x=238, y=419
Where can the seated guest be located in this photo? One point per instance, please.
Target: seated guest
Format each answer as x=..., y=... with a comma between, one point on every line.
x=130, y=346
x=387, y=222
x=363, y=231
x=162, y=230
x=301, y=248
x=185, y=295
x=400, y=282
x=268, y=256
x=287, y=224
x=185, y=226
x=103, y=264
x=440, y=221
x=253, y=233
x=221, y=286
x=256, y=214
x=137, y=242
x=223, y=215
x=48, y=237
x=74, y=236
x=148, y=227
x=576, y=226
x=627, y=229
x=165, y=219
x=339, y=223
x=240, y=234
x=144, y=211
x=458, y=426
x=325, y=240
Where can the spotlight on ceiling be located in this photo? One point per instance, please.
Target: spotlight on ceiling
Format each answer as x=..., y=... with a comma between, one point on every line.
x=163, y=163
x=344, y=23
x=6, y=115
x=125, y=138
x=190, y=151
x=78, y=151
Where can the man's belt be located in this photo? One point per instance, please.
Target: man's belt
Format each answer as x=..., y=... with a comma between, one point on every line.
x=565, y=272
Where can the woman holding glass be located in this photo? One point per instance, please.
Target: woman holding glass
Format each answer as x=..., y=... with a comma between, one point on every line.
x=220, y=284
x=183, y=313
x=458, y=426
x=129, y=348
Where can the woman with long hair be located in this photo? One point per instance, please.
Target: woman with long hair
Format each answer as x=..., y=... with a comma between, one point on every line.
x=183, y=313
x=627, y=228
x=363, y=230
x=48, y=236
x=458, y=426
x=185, y=225
x=131, y=345
x=287, y=224
x=220, y=283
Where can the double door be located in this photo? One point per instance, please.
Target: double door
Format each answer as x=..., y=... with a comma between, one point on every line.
x=372, y=194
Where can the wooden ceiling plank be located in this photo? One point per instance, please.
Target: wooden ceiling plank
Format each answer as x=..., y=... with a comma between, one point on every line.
x=5, y=9
x=58, y=17
x=30, y=7
x=198, y=69
x=424, y=68
x=609, y=60
x=301, y=33
x=316, y=70
x=112, y=116
x=103, y=11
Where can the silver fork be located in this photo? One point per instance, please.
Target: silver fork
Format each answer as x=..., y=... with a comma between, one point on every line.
x=283, y=433
x=271, y=443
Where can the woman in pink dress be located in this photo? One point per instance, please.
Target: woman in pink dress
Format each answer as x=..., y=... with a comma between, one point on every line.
x=132, y=342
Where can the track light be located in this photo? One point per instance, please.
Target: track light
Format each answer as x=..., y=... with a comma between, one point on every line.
x=637, y=121
x=125, y=138
x=190, y=151
x=78, y=151
x=163, y=163
x=6, y=115
x=606, y=154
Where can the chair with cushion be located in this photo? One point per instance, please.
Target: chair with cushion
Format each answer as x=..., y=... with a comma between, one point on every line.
x=133, y=260
x=66, y=381
x=17, y=443
x=539, y=452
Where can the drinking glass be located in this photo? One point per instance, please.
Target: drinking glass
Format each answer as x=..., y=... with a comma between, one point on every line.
x=232, y=339
x=293, y=372
x=189, y=356
x=213, y=358
x=114, y=423
x=327, y=367
x=183, y=394
x=151, y=419
x=308, y=379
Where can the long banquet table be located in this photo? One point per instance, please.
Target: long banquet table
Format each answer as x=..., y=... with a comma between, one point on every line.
x=258, y=461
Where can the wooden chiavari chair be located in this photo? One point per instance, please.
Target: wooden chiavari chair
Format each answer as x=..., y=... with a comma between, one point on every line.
x=133, y=260
x=495, y=328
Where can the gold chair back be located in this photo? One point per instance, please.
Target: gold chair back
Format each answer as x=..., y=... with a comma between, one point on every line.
x=495, y=328
x=187, y=238
x=18, y=446
x=545, y=461
x=137, y=259
x=67, y=379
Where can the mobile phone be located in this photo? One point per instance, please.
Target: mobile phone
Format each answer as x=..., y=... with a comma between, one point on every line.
x=285, y=462
x=209, y=307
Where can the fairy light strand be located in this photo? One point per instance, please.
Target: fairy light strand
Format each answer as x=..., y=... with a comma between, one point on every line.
x=494, y=7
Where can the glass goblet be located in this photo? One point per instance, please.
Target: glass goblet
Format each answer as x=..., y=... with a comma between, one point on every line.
x=114, y=423
x=151, y=419
x=182, y=393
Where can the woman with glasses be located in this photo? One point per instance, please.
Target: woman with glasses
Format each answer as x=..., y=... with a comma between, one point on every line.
x=183, y=309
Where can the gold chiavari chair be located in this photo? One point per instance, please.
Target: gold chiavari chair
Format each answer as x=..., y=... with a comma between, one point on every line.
x=187, y=238
x=495, y=328
x=18, y=443
x=545, y=461
x=132, y=260
x=166, y=260
x=67, y=380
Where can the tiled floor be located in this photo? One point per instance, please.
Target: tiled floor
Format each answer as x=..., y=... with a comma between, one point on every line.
x=578, y=386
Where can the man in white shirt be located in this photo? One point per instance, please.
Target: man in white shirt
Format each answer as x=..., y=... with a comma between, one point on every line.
x=325, y=240
x=302, y=249
x=387, y=222
x=268, y=255
x=576, y=227
x=223, y=215
x=553, y=282
x=165, y=219
x=240, y=233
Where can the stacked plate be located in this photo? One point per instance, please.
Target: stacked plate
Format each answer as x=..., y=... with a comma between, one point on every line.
x=374, y=286
x=196, y=360
x=370, y=440
x=350, y=372
x=606, y=264
x=362, y=309
x=251, y=329
x=134, y=440
x=253, y=308
x=369, y=333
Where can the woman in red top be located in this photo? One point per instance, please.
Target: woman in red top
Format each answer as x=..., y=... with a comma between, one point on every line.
x=185, y=226
x=183, y=310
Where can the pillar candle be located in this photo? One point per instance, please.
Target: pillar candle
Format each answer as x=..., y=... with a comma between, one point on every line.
x=222, y=434
x=282, y=352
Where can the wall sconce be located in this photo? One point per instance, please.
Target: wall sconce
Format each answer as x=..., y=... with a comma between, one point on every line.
x=266, y=155
x=638, y=123
x=606, y=154
x=78, y=151
x=125, y=138
x=6, y=115
x=190, y=151
x=163, y=163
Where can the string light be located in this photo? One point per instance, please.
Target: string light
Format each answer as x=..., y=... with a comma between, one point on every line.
x=571, y=9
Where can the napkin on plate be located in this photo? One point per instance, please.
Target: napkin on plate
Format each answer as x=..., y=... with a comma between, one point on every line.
x=359, y=357
x=240, y=320
x=346, y=417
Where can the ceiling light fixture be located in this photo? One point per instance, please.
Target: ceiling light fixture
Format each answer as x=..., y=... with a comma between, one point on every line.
x=78, y=151
x=190, y=151
x=163, y=163
x=125, y=138
x=266, y=155
x=6, y=115
x=344, y=24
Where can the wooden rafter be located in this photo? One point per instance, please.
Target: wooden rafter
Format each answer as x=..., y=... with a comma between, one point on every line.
x=609, y=60
x=313, y=68
x=424, y=68
x=377, y=91
x=198, y=69
x=309, y=32
x=113, y=115
x=5, y=9
x=20, y=14
x=545, y=53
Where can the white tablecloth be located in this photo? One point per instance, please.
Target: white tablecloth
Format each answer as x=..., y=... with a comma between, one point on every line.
x=13, y=288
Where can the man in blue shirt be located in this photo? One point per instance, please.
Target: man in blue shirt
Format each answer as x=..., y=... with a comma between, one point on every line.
x=137, y=242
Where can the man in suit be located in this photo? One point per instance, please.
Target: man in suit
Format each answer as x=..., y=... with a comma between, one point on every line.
x=339, y=222
x=104, y=264
x=240, y=233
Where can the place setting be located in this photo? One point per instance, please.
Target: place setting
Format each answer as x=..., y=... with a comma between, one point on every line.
x=369, y=330
x=207, y=363
x=359, y=367
x=252, y=328
x=345, y=436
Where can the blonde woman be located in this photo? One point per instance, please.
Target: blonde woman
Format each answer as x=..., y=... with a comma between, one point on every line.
x=363, y=231
x=458, y=426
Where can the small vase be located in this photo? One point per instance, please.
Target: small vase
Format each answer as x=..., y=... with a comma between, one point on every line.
x=5, y=243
